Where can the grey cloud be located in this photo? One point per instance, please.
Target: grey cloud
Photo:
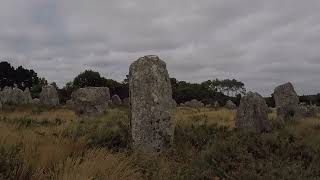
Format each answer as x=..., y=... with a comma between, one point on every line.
x=263, y=43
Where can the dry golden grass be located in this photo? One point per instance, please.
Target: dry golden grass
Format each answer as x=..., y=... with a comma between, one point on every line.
x=221, y=117
x=46, y=153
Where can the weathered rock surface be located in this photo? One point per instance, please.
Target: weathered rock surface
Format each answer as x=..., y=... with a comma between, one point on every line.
x=230, y=105
x=35, y=101
x=15, y=96
x=252, y=114
x=90, y=100
x=69, y=103
x=27, y=96
x=49, y=96
x=116, y=100
x=287, y=101
x=126, y=101
x=151, y=105
x=194, y=104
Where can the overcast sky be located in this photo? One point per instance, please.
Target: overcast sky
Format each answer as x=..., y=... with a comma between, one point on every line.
x=261, y=42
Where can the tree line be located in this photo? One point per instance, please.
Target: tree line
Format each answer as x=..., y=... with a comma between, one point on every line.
x=208, y=91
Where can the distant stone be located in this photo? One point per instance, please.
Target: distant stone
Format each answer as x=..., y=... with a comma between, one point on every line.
x=174, y=103
x=216, y=104
x=115, y=100
x=6, y=95
x=90, y=100
x=182, y=105
x=287, y=101
x=0, y=106
x=69, y=103
x=125, y=101
x=230, y=105
x=252, y=114
x=35, y=101
x=27, y=96
x=151, y=105
x=194, y=104
x=49, y=96
x=307, y=110
x=208, y=105
x=15, y=96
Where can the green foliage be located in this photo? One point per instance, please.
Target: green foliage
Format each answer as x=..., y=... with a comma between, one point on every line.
x=9, y=160
x=27, y=122
x=10, y=76
x=110, y=131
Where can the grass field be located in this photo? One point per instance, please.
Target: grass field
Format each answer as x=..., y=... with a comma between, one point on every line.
x=56, y=144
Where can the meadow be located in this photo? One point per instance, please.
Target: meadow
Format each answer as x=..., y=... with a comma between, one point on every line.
x=39, y=143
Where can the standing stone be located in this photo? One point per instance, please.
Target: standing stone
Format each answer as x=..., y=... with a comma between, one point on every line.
x=115, y=100
x=252, y=114
x=230, y=105
x=17, y=97
x=287, y=101
x=27, y=96
x=90, y=100
x=49, y=96
x=6, y=95
x=14, y=96
x=150, y=105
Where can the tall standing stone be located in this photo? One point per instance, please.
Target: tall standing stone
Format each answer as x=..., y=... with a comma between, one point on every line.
x=287, y=102
x=150, y=105
x=252, y=114
x=49, y=96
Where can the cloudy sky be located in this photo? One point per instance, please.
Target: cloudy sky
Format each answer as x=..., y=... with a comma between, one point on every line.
x=260, y=42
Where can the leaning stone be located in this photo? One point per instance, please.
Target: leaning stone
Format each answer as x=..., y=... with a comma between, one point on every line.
x=252, y=114
x=151, y=107
x=90, y=100
x=49, y=96
x=287, y=101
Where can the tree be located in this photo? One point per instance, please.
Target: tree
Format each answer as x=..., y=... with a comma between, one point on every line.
x=88, y=78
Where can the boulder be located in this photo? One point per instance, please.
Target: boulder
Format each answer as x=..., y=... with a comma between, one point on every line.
x=287, y=101
x=126, y=101
x=69, y=103
x=15, y=96
x=194, y=104
x=90, y=100
x=115, y=100
x=252, y=114
x=151, y=105
x=35, y=101
x=49, y=96
x=230, y=105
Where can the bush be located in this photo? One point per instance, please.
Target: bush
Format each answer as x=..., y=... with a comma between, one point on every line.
x=251, y=156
